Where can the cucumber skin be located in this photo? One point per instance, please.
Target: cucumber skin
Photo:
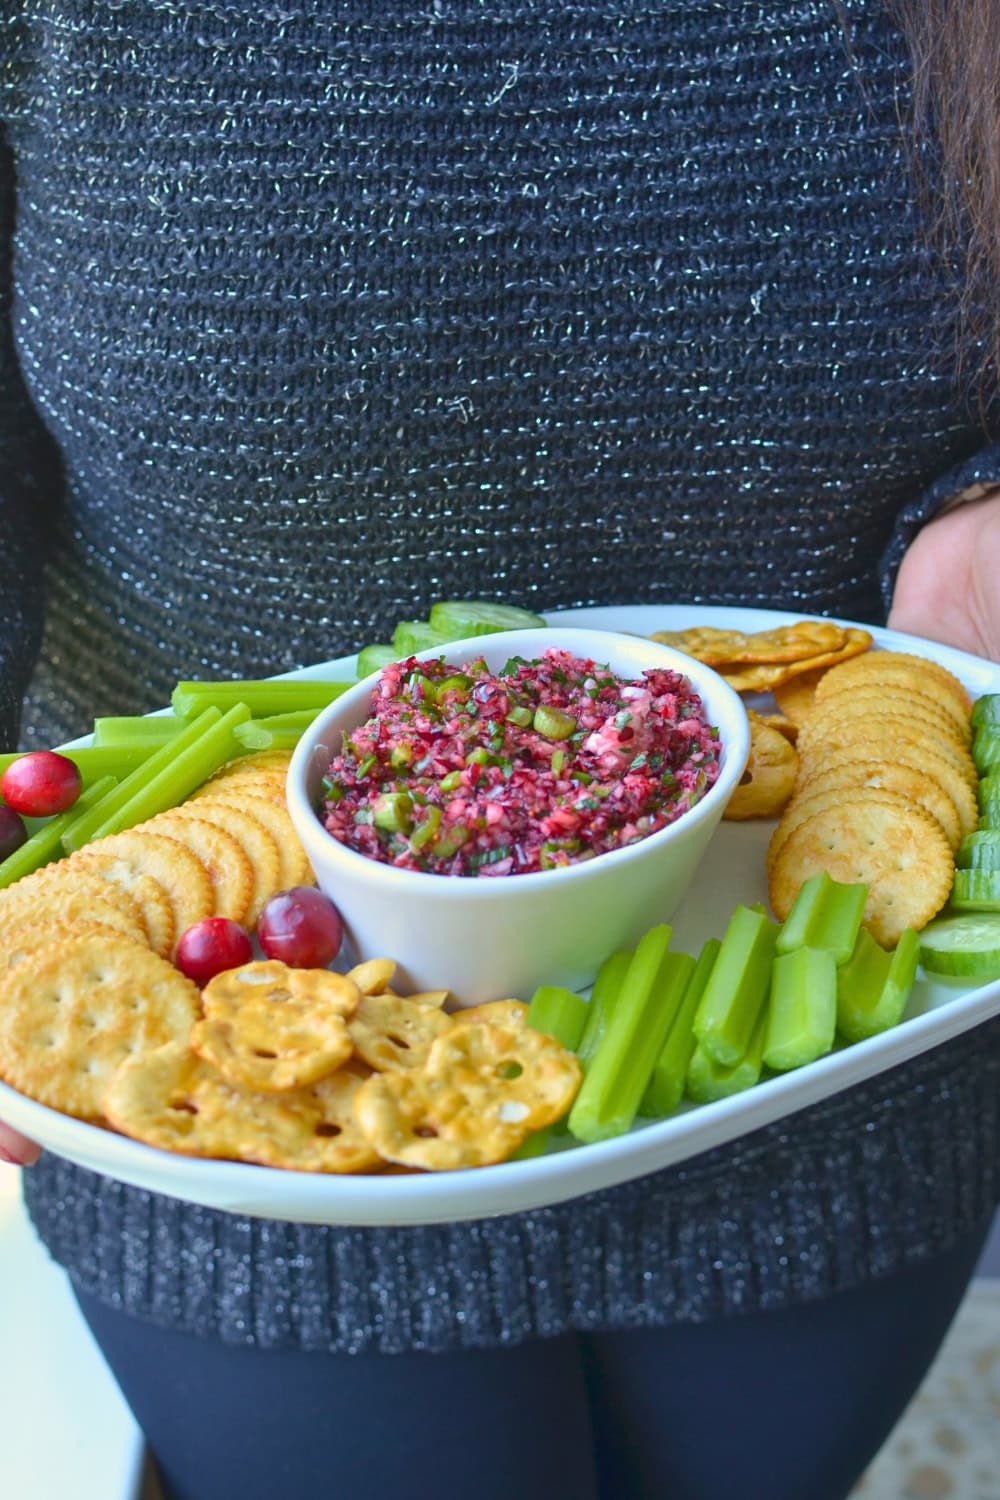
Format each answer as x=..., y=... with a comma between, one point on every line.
x=988, y=796
x=976, y=890
x=970, y=948
x=459, y=618
x=986, y=749
x=411, y=636
x=986, y=711
x=374, y=657
x=980, y=850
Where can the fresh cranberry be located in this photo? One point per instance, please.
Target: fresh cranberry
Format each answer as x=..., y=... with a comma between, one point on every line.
x=302, y=927
x=211, y=946
x=12, y=831
x=40, y=783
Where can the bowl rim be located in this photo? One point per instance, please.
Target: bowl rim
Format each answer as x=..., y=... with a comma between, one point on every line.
x=735, y=744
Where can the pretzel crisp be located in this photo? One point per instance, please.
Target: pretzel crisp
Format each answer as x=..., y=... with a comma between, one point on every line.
x=482, y=1090
x=390, y=1032
x=267, y=1026
x=172, y=1099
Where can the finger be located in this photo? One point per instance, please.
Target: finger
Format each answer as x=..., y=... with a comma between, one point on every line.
x=16, y=1148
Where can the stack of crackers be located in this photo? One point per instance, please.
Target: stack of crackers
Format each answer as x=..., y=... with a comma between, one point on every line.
x=885, y=791
x=865, y=761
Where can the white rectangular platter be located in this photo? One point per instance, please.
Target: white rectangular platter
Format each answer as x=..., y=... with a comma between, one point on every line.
x=732, y=872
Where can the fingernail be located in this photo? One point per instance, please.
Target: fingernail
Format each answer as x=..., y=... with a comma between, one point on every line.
x=13, y=1161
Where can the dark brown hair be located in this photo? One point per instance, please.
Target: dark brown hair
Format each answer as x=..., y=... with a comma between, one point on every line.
x=955, y=134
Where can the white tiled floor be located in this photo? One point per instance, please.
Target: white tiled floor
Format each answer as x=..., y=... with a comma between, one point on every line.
x=64, y=1430
x=990, y=1264
x=947, y=1447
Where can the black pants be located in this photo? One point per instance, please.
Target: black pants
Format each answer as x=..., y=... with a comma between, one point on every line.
x=787, y=1405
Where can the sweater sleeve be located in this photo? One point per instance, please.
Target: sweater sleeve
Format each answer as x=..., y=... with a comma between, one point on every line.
x=970, y=480
x=28, y=488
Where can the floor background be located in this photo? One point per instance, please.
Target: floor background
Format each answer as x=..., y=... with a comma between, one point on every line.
x=990, y=1265
x=947, y=1446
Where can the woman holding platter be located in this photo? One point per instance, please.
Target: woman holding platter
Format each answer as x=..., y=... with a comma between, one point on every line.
x=316, y=314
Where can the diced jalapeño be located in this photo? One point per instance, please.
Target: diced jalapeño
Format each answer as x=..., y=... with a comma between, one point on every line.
x=553, y=723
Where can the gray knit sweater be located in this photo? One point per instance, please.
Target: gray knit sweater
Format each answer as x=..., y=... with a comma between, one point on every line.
x=314, y=313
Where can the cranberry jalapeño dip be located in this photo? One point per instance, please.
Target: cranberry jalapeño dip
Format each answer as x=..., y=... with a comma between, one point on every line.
x=570, y=779
x=546, y=762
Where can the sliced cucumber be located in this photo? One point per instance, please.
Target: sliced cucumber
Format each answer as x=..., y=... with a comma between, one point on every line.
x=988, y=794
x=374, y=658
x=455, y=619
x=416, y=635
x=986, y=749
x=986, y=710
x=979, y=851
x=966, y=946
x=976, y=890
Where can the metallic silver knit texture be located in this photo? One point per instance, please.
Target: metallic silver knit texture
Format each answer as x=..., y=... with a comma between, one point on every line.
x=321, y=312
x=333, y=310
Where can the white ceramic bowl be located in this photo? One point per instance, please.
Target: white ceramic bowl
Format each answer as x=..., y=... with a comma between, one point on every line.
x=485, y=939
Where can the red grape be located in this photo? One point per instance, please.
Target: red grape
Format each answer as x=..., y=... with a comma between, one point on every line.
x=12, y=831
x=302, y=927
x=40, y=783
x=210, y=946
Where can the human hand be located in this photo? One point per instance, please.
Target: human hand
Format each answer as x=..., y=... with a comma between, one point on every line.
x=16, y=1148
x=948, y=586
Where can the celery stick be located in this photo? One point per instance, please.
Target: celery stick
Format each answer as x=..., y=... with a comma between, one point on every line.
x=187, y=770
x=276, y=732
x=666, y=1086
x=154, y=765
x=874, y=986
x=681, y=972
x=603, y=998
x=825, y=914
x=262, y=698
x=560, y=1013
x=165, y=778
x=95, y=761
x=708, y=1080
x=650, y=996
x=737, y=987
x=802, y=1014
x=45, y=844
x=535, y=1144
x=137, y=729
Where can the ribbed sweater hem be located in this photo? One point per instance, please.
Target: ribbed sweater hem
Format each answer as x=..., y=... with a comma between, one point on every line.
x=851, y=1190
